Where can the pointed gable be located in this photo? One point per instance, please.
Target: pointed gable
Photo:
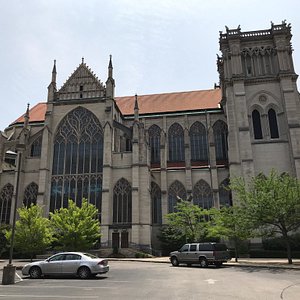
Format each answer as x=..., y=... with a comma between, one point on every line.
x=83, y=83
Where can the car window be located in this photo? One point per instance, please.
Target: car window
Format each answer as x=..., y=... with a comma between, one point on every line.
x=193, y=247
x=90, y=255
x=205, y=247
x=57, y=257
x=72, y=257
x=184, y=248
x=220, y=247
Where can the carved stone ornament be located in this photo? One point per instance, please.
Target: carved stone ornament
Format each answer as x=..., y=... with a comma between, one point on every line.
x=262, y=98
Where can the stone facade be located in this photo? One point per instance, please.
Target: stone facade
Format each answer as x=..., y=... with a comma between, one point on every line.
x=83, y=142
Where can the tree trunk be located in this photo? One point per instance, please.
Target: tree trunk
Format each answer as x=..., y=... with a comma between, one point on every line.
x=288, y=247
x=236, y=250
x=288, y=251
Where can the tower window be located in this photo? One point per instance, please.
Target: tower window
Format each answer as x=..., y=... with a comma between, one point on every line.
x=273, y=124
x=256, y=125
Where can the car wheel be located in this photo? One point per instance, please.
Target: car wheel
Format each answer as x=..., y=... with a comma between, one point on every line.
x=35, y=272
x=218, y=264
x=203, y=262
x=174, y=261
x=84, y=272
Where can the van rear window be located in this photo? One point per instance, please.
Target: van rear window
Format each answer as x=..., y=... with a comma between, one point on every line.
x=220, y=247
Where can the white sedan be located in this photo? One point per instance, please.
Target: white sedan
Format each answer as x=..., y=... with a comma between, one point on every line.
x=80, y=264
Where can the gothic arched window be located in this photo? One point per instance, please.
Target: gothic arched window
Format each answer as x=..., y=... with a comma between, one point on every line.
x=36, y=147
x=122, y=203
x=198, y=137
x=176, y=143
x=202, y=195
x=220, y=135
x=5, y=203
x=77, y=160
x=156, y=203
x=30, y=194
x=256, y=121
x=176, y=191
x=273, y=125
x=225, y=193
x=154, y=142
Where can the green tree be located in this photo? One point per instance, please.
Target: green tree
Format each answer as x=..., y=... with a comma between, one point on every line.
x=171, y=238
x=189, y=220
x=33, y=233
x=230, y=223
x=272, y=203
x=76, y=228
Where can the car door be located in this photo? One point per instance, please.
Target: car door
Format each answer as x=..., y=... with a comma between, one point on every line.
x=193, y=253
x=183, y=253
x=71, y=263
x=53, y=265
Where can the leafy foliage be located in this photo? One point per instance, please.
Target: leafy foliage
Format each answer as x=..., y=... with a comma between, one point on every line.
x=33, y=233
x=76, y=228
x=187, y=224
x=272, y=203
x=4, y=243
x=231, y=223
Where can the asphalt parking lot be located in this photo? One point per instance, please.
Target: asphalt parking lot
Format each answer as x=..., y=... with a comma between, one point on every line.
x=129, y=280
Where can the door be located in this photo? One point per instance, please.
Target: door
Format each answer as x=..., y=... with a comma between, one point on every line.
x=115, y=240
x=53, y=265
x=71, y=263
x=124, y=239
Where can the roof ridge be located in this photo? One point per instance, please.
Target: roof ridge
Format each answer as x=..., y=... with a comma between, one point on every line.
x=184, y=92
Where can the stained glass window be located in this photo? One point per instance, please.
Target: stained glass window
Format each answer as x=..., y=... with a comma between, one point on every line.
x=30, y=194
x=154, y=141
x=122, y=205
x=176, y=143
x=273, y=124
x=5, y=203
x=156, y=203
x=225, y=193
x=77, y=160
x=198, y=137
x=220, y=135
x=176, y=191
x=36, y=147
x=202, y=194
x=256, y=125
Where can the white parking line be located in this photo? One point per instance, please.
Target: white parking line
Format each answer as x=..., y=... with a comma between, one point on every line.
x=48, y=296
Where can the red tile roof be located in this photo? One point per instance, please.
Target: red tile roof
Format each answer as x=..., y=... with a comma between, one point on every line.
x=171, y=102
x=150, y=104
x=36, y=114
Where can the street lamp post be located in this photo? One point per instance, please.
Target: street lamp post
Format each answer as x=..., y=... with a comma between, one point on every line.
x=9, y=270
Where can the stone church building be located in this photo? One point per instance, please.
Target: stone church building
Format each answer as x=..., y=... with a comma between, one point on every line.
x=134, y=156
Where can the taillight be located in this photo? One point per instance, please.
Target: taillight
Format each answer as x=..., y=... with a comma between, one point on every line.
x=102, y=262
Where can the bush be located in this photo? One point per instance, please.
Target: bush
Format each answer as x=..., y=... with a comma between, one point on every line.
x=142, y=255
x=258, y=253
x=278, y=243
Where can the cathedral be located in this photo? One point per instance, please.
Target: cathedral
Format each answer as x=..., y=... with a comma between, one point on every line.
x=134, y=156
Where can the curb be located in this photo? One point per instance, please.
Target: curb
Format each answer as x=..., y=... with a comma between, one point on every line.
x=231, y=264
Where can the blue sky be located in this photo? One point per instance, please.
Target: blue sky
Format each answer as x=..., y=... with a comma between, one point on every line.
x=157, y=45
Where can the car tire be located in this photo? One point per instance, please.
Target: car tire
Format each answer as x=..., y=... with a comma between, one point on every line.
x=218, y=264
x=203, y=262
x=84, y=272
x=174, y=261
x=35, y=272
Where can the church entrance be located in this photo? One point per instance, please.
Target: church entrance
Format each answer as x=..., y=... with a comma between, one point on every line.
x=118, y=237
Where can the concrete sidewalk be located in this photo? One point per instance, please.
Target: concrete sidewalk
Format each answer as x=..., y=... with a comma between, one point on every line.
x=242, y=262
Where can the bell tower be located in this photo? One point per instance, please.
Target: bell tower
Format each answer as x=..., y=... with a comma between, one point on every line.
x=260, y=100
